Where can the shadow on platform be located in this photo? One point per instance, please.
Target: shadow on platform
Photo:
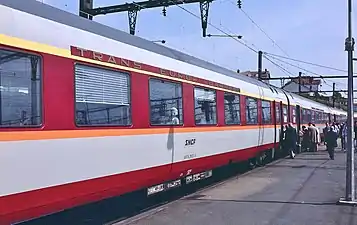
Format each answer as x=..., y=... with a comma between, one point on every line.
x=307, y=167
x=199, y=198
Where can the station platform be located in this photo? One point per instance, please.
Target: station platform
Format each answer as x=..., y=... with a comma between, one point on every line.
x=296, y=191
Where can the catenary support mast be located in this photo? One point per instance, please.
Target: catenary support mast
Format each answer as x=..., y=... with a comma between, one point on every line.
x=350, y=197
x=86, y=10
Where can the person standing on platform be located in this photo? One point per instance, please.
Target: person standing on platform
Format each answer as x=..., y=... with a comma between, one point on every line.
x=291, y=139
x=334, y=127
x=325, y=130
x=331, y=139
x=313, y=136
x=305, y=144
x=318, y=134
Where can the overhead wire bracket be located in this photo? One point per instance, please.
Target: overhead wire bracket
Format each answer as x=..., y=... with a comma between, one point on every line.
x=132, y=15
x=204, y=7
x=86, y=10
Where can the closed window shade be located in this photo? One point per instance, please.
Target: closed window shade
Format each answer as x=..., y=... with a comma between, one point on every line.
x=95, y=85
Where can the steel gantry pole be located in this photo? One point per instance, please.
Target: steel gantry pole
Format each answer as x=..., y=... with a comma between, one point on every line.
x=350, y=197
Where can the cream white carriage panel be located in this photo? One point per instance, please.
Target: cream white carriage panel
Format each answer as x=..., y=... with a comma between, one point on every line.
x=54, y=162
x=309, y=104
x=338, y=111
x=28, y=165
x=211, y=143
x=272, y=95
x=268, y=136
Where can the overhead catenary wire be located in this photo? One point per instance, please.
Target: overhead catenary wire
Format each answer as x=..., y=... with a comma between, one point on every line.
x=265, y=33
x=261, y=29
x=252, y=48
x=319, y=75
x=309, y=63
x=299, y=67
x=281, y=49
x=216, y=27
x=280, y=67
x=239, y=41
x=274, y=42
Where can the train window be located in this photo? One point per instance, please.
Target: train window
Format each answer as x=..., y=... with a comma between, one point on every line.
x=102, y=96
x=231, y=108
x=319, y=118
x=20, y=95
x=304, y=116
x=309, y=116
x=313, y=116
x=251, y=110
x=285, y=114
x=294, y=114
x=165, y=102
x=277, y=112
x=266, y=112
x=205, y=106
x=326, y=118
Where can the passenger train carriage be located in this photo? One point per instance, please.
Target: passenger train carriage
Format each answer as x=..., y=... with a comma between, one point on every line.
x=89, y=112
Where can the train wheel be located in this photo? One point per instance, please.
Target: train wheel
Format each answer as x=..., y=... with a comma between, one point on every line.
x=252, y=163
x=272, y=155
x=261, y=158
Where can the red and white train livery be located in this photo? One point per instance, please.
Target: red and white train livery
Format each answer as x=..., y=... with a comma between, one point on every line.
x=88, y=112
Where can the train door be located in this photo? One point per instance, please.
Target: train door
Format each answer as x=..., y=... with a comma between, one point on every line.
x=286, y=110
x=285, y=114
x=260, y=123
x=282, y=120
x=294, y=116
x=298, y=116
x=276, y=120
x=298, y=125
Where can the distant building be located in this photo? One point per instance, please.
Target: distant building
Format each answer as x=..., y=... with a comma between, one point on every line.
x=254, y=74
x=308, y=84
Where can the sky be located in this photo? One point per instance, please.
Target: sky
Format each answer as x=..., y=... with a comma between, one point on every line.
x=312, y=31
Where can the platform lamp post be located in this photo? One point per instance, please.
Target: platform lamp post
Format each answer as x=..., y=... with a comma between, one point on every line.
x=350, y=195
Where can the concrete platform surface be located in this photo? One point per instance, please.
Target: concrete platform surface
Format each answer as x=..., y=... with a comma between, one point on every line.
x=297, y=191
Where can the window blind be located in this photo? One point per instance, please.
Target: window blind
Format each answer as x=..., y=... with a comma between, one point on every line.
x=95, y=85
